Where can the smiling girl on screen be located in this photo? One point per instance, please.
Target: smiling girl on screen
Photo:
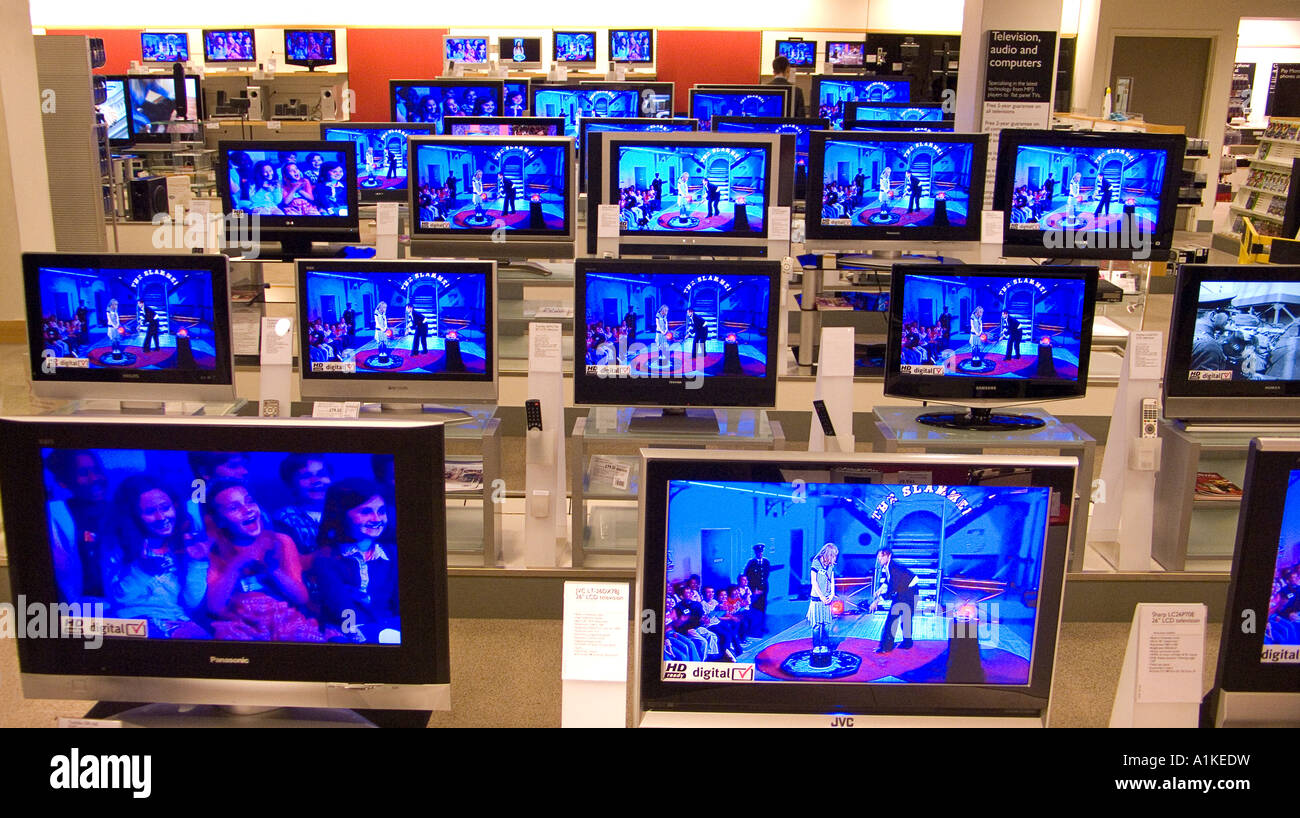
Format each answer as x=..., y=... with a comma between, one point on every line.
x=297, y=192
x=357, y=575
x=265, y=195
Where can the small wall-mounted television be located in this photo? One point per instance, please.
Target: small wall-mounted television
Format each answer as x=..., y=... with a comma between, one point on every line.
x=574, y=103
x=503, y=125
x=708, y=101
x=516, y=97
x=310, y=48
x=229, y=45
x=520, y=52
x=802, y=54
x=428, y=101
x=380, y=174
x=895, y=111
x=575, y=49
x=832, y=94
x=153, y=104
x=164, y=46
x=465, y=50
x=846, y=52
x=632, y=45
x=800, y=128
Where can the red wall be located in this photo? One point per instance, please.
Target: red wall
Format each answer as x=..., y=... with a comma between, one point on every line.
x=376, y=55
x=121, y=45
x=690, y=57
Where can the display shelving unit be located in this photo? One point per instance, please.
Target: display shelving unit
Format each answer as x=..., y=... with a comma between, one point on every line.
x=1263, y=197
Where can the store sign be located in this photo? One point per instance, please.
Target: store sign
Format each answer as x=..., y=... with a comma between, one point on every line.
x=1019, y=66
x=1284, y=90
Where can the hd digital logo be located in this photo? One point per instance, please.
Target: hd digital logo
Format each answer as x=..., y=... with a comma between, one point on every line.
x=75, y=771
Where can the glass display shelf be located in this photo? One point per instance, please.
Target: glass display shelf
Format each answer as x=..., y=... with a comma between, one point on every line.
x=105, y=407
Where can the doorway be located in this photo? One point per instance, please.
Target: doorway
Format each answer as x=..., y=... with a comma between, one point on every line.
x=1163, y=96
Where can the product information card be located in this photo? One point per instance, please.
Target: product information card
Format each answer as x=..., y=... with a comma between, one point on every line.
x=595, y=631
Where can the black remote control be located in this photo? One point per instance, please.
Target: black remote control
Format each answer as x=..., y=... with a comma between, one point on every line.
x=828, y=429
x=533, y=414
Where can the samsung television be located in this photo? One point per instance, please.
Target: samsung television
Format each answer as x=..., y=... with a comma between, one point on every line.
x=115, y=112
x=574, y=103
x=800, y=128
x=164, y=46
x=428, y=101
x=1234, y=344
x=520, y=52
x=706, y=102
x=153, y=103
x=846, y=52
x=380, y=173
x=152, y=530
x=229, y=45
x=656, y=97
x=503, y=125
x=465, y=50
x=574, y=49
x=1087, y=194
x=676, y=334
x=632, y=45
x=309, y=48
x=832, y=94
x=631, y=124
x=129, y=327
x=502, y=197
x=397, y=331
x=988, y=335
x=849, y=585
x=802, y=54
x=895, y=111
x=871, y=187
x=516, y=97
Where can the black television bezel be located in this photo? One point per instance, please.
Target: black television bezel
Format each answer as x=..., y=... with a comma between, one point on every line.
x=880, y=126
x=862, y=43
x=305, y=63
x=743, y=391
x=549, y=121
x=583, y=153
x=971, y=390
x=798, y=67
x=1032, y=243
x=970, y=231
x=501, y=59
x=422, y=658
x=290, y=228
x=447, y=82
x=595, y=49
x=850, y=111
x=138, y=138
x=188, y=51
x=610, y=44
x=749, y=90
x=252, y=34
x=384, y=194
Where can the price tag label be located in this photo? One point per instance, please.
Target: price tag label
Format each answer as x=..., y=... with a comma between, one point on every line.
x=336, y=410
x=610, y=471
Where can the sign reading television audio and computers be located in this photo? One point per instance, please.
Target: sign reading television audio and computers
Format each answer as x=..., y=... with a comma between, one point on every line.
x=1019, y=68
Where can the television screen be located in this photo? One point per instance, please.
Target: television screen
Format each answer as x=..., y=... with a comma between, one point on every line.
x=159, y=46
x=940, y=126
x=574, y=103
x=895, y=112
x=288, y=182
x=381, y=156
x=575, y=46
x=516, y=98
x=635, y=45
x=519, y=49
x=833, y=94
x=429, y=101
x=314, y=47
x=484, y=184
x=800, y=53
x=470, y=50
x=632, y=124
x=692, y=187
x=153, y=103
x=234, y=45
x=708, y=103
x=114, y=112
x=799, y=127
x=845, y=53
x=504, y=126
x=656, y=97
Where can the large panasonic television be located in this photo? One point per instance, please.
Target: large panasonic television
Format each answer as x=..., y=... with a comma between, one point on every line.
x=632, y=124
x=889, y=187
x=800, y=128
x=129, y=327
x=520, y=52
x=574, y=103
x=574, y=49
x=380, y=174
x=516, y=97
x=1234, y=343
x=153, y=103
x=232, y=561
x=500, y=197
x=471, y=51
x=310, y=48
x=503, y=125
x=658, y=333
x=635, y=46
x=849, y=585
x=1086, y=194
x=707, y=102
x=292, y=192
x=988, y=336
x=656, y=97
x=802, y=54
x=397, y=331
x=115, y=112
x=832, y=94
x=428, y=101
x=231, y=45
x=896, y=111
x=164, y=46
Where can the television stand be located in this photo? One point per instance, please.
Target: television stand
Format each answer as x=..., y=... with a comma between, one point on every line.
x=137, y=714
x=524, y=267
x=673, y=422
x=977, y=419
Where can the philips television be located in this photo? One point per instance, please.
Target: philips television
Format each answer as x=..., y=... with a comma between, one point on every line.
x=380, y=173
x=800, y=128
x=630, y=124
x=986, y=336
x=516, y=97
x=871, y=187
x=115, y=113
x=802, y=54
x=465, y=50
x=471, y=191
x=503, y=125
x=397, y=331
x=706, y=102
x=309, y=48
x=635, y=46
x=164, y=46
x=346, y=606
x=656, y=97
x=153, y=104
x=229, y=45
x=1087, y=194
x=832, y=95
x=676, y=334
x=895, y=111
x=1234, y=344
x=129, y=327
x=846, y=52
x=849, y=585
x=428, y=101
x=292, y=192
x=574, y=49
x=574, y=103
x=520, y=52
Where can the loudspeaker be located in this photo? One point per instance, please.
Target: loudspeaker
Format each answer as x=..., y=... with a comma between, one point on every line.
x=329, y=104
x=256, y=103
x=148, y=197
x=178, y=83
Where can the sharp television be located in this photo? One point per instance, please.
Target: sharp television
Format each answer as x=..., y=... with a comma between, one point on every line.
x=832, y=94
x=656, y=97
x=895, y=111
x=890, y=187
x=1234, y=344
x=428, y=101
x=574, y=103
x=152, y=100
x=940, y=126
x=862, y=584
x=676, y=334
x=574, y=49
x=292, y=192
x=632, y=124
x=802, y=54
x=516, y=97
x=229, y=45
x=707, y=102
x=846, y=52
x=397, y=331
x=309, y=48
x=465, y=50
x=520, y=52
x=635, y=46
x=107, y=526
x=1086, y=194
x=503, y=125
x=987, y=336
x=164, y=46
x=129, y=327
x=115, y=112
x=380, y=174
x=800, y=128
x=470, y=191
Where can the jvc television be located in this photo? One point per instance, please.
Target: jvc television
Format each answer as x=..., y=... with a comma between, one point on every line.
x=850, y=585
x=380, y=174
x=503, y=125
x=115, y=112
x=846, y=52
x=832, y=94
x=229, y=45
x=869, y=187
x=520, y=52
x=233, y=561
x=153, y=104
x=470, y=191
x=164, y=46
x=574, y=103
x=800, y=128
x=397, y=331
x=309, y=48
x=895, y=111
x=1086, y=194
x=575, y=49
x=428, y=101
x=1234, y=344
x=676, y=334
x=632, y=45
x=629, y=124
x=129, y=327
x=656, y=97
x=760, y=101
x=802, y=54
x=465, y=50
x=986, y=336
x=516, y=97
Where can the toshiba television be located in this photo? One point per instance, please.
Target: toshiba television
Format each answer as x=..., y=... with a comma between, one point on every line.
x=832, y=94
x=574, y=103
x=148, y=327
x=802, y=54
x=708, y=101
x=632, y=124
x=635, y=46
x=574, y=49
x=164, y=46
x=115, y=112
x=799, y=128
x=153, y=104
x=988, y=336
x=1087, y=194
x=397, y=331
x=846, y=53
x=849, y=585
x=428, y=101
x=310, y=48
x=895, y=111
x=472, y=51
x=1234, y=344
x=229, y=45
x=380, y=174
x=519, y=53
x=503, y=125
x=230, y=561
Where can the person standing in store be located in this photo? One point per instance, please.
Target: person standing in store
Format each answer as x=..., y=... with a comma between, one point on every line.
x=757, y=571
x=783, y=74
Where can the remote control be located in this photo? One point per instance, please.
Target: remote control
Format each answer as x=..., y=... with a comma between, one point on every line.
x=1150, y=417
x=533, y=414
x=828, y=428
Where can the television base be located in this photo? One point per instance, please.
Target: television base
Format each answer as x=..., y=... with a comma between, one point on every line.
x=674, y=422
x=524, y=267
x=135, y=714
x=976, y=419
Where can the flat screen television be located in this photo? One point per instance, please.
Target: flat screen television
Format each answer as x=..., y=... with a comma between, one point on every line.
x=292, y=192
x=575, y=49
x=940, y=126
x=802, y=54
x=676, y=334
x=503, y=125
x=164, y=46
x=987, y=336
x=310, y=48
x=706, y=102
x=380, y=174
x=115, y=112
x=520, y=52
x=1086, y=194
x=867, y=187
x=516, y=97
x=800, y=128
x=397, y=331
x=503, y=197
x=896, y=111
x=832, y=94
x=152, y=100
x=630, y=124
x=632, y=45
x=849, y=584
x=465, y=50
x=129, y=327
x=428, y=101
x=574, y=103
x=656, y=97
x=846, y=52
x=229, y=45
x=1234, y=343
x=152, y=531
